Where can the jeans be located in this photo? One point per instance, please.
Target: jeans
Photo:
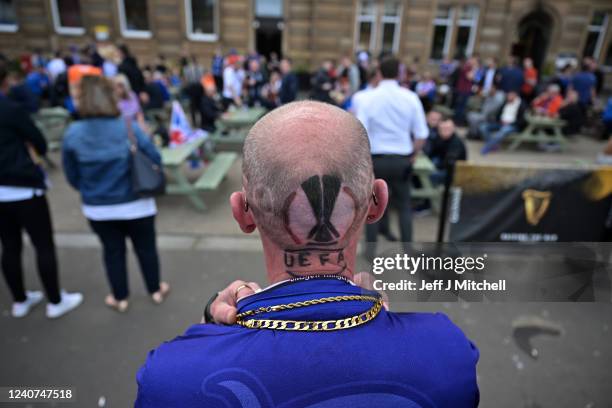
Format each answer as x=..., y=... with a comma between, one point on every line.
x=396, y=171
x=460, y=106
x=494, y=134
x=33, y=216
x=475, y=120
x=112, y=235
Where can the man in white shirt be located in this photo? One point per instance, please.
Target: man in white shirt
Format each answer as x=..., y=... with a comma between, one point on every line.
x=56, y=66
x=510, y=119
x=488, y=79
x=232, y=82
x=397, y=129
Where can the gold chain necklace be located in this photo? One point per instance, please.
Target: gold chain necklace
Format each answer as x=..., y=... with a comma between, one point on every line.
x=311, y=325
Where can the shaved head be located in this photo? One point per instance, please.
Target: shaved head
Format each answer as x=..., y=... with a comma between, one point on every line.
x=308, y=175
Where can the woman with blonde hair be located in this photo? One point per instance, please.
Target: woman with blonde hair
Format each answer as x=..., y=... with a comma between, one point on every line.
x=97, y=159
x=127, y=100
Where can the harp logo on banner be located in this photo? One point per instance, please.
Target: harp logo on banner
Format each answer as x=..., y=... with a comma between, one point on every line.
x=536, y=205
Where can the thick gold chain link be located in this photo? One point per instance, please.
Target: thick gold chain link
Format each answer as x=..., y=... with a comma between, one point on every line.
x=312, y=325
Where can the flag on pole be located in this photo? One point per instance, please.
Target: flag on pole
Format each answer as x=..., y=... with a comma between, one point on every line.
x=180, y=130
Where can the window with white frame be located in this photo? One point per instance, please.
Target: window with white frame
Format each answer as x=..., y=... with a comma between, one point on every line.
x=67, y=17
x=390, y=22
x=460, y=23
x=467, y=23
x=443, y=28
x=366, y=25
x=596, y=31
x=608, y=58
x=269, y=8
x=202, y=20
x=371, y=15
x=8, y=17
x=134, y=18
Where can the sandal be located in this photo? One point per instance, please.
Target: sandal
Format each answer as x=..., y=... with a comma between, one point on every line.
x=120, y=306
x=159, y=296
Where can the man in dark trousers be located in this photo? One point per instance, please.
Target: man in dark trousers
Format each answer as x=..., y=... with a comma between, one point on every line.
x=23, y=206
x=397, y=128
x=445, y=149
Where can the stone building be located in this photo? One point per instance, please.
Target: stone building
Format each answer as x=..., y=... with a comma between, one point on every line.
x=311, y=30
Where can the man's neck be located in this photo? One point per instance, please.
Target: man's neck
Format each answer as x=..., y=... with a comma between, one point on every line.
x=283, y=264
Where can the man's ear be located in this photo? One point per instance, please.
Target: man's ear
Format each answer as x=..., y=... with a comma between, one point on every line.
x=378, y=204
x=242, y=213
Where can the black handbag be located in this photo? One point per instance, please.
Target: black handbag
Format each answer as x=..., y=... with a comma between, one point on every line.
x=148, y=177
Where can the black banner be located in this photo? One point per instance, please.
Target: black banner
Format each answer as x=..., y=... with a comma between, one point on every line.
x=530, y=203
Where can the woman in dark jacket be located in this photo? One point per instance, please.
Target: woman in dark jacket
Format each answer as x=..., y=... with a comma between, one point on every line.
x=23, y=206
x=96, y=157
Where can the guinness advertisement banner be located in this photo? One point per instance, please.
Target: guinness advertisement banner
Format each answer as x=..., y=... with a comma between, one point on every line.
x=529, y=203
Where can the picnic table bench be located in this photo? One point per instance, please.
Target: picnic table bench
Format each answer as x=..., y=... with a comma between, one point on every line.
x=52, y=123
x=233, y=126
x=540, y=129
x=422, y=169
x=215, y=171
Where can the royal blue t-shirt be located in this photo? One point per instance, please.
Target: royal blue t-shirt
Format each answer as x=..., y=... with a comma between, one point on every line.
x=583, y=83
x=413, y=360
x=511, y=79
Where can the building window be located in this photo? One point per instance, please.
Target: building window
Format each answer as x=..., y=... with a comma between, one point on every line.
x=134, y=18
x=390, y=26
x=67, y=17
x=8, y=17
x=201, y=20
x=443, y=27
x=466, y=30
x=596, y=32
x=366, y=25
x=460, y=23
x=608, y=61
x=372, y=14
x=269, y=8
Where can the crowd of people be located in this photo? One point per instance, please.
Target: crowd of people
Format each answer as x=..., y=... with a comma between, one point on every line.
x=476, y=90
x=489, y=99
x=406, y=112
x=233, y=80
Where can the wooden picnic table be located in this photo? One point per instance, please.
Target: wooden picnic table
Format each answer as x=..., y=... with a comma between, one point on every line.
x=234, y=125
x=173, y=159
x=540, y=129
x=52, y=123
x=422, y=169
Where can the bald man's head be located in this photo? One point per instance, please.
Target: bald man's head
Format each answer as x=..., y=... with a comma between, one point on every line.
x=308, y=175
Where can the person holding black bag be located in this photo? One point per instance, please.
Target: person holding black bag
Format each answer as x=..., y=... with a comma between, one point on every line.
x=117, y=170
x=23, y=206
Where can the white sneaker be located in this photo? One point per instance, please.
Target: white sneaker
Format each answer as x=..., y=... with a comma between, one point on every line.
x=69, y=302
x=21, y=309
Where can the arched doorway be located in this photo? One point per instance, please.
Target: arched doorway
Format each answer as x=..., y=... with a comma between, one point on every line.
x=534, y=34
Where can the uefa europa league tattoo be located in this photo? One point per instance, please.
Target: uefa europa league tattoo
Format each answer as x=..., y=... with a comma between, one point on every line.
x=321, y=249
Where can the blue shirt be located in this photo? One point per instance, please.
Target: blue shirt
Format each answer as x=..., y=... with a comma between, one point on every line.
x=395, y=360
x=607, y=113
x=511, y=79
x=583, y=83
x=37, y=82
x=217, y=65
